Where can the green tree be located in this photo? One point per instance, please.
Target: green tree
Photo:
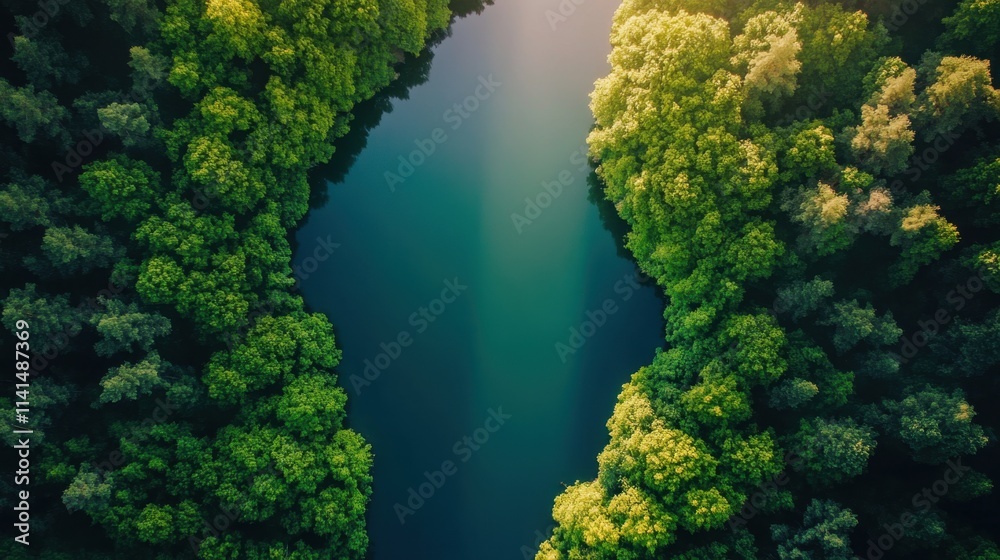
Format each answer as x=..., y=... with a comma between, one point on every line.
x=123, y=187
x=793, y=393
x=853, y=323
x=960, y=94
x=766, y=54
x=123, y=327
x=822, y=211
x=832, y=451
x=802, y=298
x=978, y=188
x=936, y=425
x=33, y=114
x=135, y=15
x=125, y=120
x=975, y=24
x=74, y=250
x=882, y=143
x=276, y=349
x=130, y=381
x=824, y=535
x=923, y=235
x=28, y=201
x=46, y=63
x=48, y=316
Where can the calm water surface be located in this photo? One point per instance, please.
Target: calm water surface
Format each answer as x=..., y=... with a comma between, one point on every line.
x=456, y=323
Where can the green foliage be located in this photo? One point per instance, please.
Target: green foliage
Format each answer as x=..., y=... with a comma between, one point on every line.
x=810, y=154
x=882, y=142
x=74, y=250
x=972, y=485
x=130, y=381
x=986, y=259
x=276, y=349
x=960, y=93
x=126, y=120
x=29, y=201
x=832, y=451
x=134, y=15
x=125, y=328
x=935, y=424
x=923, y=235
x=838, y=49
x=48, y=316
x=123, y=187
x=766, y=55
x=823, y=213
x=834, y=140
x=222, y=109
x=809, y=362
x=965, y=349
x=978, y=187
x=803, y=298
x=824, y=535
x=793, y=393
x=33, y=113
x=89, y=492
x=46, y=62
x=715, y=402
x=759, y=344
x=975, y=24
x=853, y=323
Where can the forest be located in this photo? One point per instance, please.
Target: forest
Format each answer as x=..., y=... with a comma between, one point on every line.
x=155, y=159
x=815, y=186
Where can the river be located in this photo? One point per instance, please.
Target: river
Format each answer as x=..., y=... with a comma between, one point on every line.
x=483, y=351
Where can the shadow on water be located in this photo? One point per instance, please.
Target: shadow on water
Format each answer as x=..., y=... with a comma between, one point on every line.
x=616, y=226
x=462, y=8
x=613, y=222
x=367, y=115
x=413, y=71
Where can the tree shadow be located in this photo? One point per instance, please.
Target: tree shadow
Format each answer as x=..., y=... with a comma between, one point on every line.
x=612, y=222
x=412, y=72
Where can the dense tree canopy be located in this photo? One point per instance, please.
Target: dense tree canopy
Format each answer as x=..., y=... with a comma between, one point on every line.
x=155, y=158
x=781, y=167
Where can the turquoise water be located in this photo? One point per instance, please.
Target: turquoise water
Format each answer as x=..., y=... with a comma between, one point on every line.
x=482, y=351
